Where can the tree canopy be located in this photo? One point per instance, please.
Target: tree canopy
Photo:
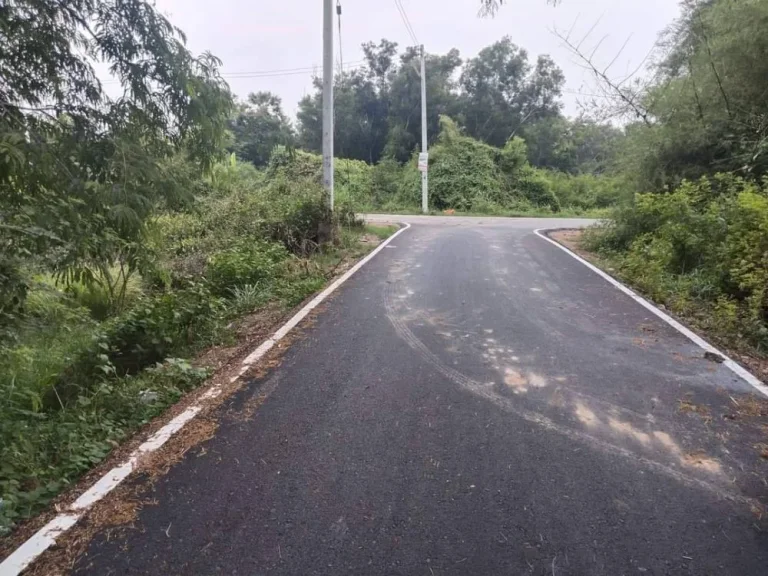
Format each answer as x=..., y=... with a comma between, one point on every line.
x=258, y=125
x=494, y=96
x=81, y=172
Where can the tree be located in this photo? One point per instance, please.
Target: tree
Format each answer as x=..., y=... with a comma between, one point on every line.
x=573, y=146
x=80, y=173
x=259, y=124
x=701, y=107
x=360, y=117
x=490, y=7
x=500, y=92
x=378, y=108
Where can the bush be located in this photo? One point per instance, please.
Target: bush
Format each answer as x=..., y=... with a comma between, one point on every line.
x=42, y=452
x=294, y=165
x=584, y=191
x=386, y=180
x=246, y=263
x=353, y=183
x=162, y=326
x=298, y=217
x=534, y=187
x=97, y=297
x=705, y=242
x=461, y=169
x=158, y=327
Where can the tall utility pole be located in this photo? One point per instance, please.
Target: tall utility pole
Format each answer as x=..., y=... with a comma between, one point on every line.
x=328, y=100
x=424, y=156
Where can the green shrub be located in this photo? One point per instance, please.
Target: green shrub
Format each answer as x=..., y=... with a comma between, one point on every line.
x=246, y=298
x=157, y=327
x=42, y=452
x=386, y=180
x=534, y=187
x=706, y=241
x=585, y=191
x=246, y=263
x=461, y=169
x=163, y=326
x=13, y=292
x=353, y=184
x=296, y=216
x=294, y=165
x=102, y=302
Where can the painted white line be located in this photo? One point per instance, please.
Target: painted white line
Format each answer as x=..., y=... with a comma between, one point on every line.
x=37, y=544
x=44, y=538
x=695, y=338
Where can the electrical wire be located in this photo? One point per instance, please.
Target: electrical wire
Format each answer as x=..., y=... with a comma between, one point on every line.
x=406, y=21
x=271, y=73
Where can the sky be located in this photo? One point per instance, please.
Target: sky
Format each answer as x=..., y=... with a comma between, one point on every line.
x=267, y=35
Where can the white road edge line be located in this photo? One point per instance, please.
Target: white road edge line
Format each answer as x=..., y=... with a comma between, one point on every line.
x=693, y=337
x=44, y=538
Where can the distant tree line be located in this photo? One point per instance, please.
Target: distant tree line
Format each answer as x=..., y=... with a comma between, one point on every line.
x=497, y=95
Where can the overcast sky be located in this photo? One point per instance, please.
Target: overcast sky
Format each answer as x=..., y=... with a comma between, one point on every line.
x=266, y=35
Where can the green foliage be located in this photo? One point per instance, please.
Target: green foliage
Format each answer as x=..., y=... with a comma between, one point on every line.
x=42, y=452
x=585, y=191
x=575, y=147
x=108, y=293
x=81, y=173
x=468, y=175
x=535, y=187
x=386, y=181
x=376, y=107
x=248, y=263
x=299, y=220
x=247, y=298
x=462, y=169
x=705, y=242
x=353, y=182
x=706, y=112
x=258, y=126
x=500, y=92
x=78, y=375
x=162, y=326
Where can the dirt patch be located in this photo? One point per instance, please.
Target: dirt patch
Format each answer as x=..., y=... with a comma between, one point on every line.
x=370, y=239
x=751, y=407
x=701, y=461
x=571, y=239
x=687, y=406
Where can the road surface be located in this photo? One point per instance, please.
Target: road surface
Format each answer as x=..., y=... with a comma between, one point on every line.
x=473, y=401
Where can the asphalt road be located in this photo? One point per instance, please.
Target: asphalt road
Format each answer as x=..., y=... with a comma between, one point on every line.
x=474, y=401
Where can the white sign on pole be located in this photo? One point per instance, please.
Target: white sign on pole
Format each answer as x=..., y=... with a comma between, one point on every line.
x=424, y=161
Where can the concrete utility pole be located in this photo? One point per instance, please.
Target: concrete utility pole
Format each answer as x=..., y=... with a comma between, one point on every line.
x=328, y=100
x=424, y=156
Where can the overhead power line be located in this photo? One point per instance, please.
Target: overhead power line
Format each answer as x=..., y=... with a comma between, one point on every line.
x=406, y=21
x=272, y=73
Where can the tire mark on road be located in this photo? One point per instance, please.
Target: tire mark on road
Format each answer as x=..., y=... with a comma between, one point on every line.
x=487, y=392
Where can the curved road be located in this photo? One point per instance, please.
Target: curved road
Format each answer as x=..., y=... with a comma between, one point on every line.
x=473, y=401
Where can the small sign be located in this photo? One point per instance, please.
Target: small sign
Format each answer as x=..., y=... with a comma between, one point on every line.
x=424, y=161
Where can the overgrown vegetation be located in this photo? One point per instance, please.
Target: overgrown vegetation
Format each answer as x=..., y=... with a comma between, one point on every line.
x=129, y=239
x=499, y=105
x=80, y=373
x=694, y=235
